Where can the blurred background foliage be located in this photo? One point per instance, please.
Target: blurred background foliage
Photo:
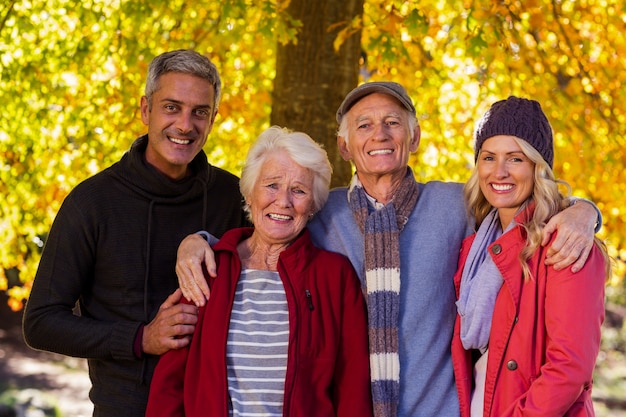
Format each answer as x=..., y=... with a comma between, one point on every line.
x=72, y=74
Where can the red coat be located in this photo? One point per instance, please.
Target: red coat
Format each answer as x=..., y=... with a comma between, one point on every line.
x=328, y=359
x=545, y=335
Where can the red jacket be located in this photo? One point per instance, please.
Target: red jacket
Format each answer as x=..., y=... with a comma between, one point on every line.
x=328, y=359
x=545, y=335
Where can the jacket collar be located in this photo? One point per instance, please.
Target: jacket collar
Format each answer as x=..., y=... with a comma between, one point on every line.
x=297, y=255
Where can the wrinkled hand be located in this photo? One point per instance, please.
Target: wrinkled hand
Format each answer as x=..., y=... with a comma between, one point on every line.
x=171, y=328
x=194, y=260
x=575, y=238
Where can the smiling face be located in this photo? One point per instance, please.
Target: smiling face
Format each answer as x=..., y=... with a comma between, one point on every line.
x=505, y=175
x=281, y=201
x=379, y=141
x=179, y=120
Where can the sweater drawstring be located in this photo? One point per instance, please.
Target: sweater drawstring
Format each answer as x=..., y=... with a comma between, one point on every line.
x=205, y=202
x=205, y=205
x=146, y=277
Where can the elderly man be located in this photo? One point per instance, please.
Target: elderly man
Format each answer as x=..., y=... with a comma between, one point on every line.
x=403, y=238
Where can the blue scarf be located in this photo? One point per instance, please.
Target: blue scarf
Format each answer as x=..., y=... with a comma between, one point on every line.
x=480, y=283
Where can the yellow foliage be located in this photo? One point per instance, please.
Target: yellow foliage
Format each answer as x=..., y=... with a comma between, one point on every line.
x=73, y=73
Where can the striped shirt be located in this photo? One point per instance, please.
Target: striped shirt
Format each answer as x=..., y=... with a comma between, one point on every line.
x=256, y=350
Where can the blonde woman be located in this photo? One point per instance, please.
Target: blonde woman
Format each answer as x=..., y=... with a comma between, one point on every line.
x=526, y=336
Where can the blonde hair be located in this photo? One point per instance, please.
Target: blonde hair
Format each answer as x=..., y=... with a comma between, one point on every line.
x=546, y=196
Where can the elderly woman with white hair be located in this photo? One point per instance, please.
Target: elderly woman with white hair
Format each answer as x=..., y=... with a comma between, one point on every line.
x=284, y=331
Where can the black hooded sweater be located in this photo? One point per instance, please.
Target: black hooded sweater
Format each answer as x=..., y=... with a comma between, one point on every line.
x=112, y=248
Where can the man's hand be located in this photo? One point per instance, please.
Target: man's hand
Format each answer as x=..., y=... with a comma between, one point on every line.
x=575, y=238
x=194, y=255
x=171, y=328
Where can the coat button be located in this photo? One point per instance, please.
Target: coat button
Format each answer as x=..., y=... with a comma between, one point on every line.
x=496, y=249
x=511, y=365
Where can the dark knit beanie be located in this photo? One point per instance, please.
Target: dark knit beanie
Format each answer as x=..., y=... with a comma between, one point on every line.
x=519, y=117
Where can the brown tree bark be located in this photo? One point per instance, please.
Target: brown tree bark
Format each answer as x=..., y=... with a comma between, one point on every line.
x=312, y=78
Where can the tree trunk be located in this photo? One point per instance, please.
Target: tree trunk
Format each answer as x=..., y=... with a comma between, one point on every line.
x=312, y=78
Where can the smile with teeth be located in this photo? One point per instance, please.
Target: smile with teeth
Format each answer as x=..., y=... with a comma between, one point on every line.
x=179, y=141
x=380, y=152
x=502, y=187
x=276, y=216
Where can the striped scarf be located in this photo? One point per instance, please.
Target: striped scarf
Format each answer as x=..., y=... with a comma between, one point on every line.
x=381, y=231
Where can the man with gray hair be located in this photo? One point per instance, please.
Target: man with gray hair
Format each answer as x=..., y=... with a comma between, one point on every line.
x=111, y=251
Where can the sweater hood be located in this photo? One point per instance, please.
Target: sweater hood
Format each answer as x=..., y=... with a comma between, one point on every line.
x=135, y=173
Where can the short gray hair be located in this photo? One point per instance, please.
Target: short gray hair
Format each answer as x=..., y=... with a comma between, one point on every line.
x=184, y=61
x=303, y=150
